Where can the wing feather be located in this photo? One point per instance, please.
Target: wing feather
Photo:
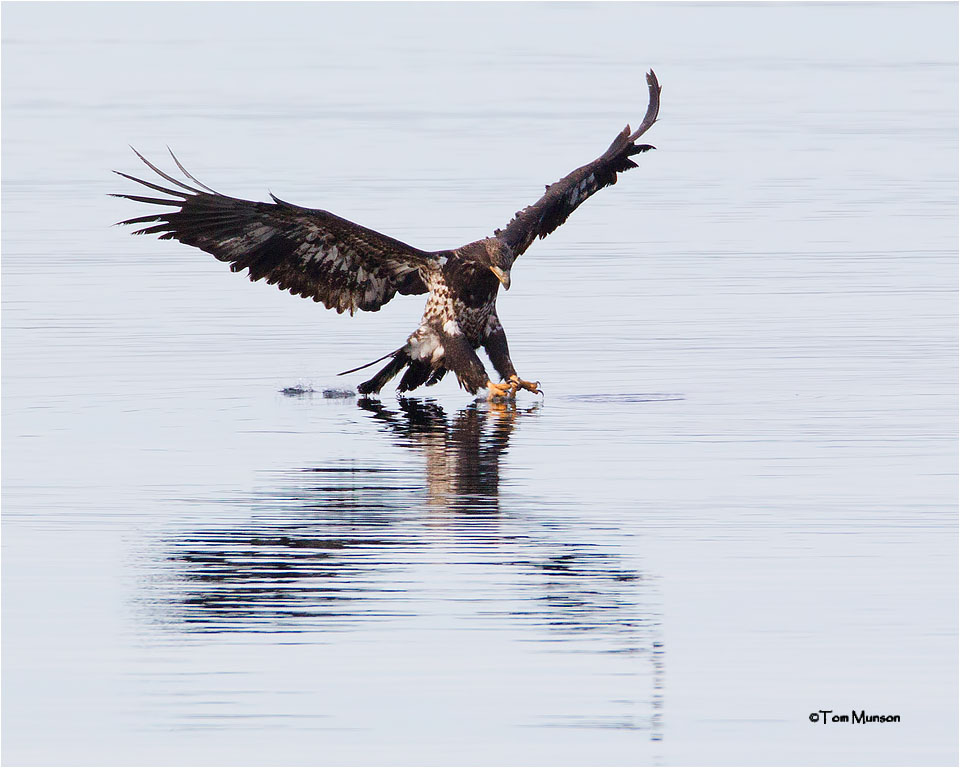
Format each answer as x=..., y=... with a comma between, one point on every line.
x=564, y=197
x=308, y=252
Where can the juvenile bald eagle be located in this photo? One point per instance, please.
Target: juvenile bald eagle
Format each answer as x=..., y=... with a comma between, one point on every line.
x=315, y=254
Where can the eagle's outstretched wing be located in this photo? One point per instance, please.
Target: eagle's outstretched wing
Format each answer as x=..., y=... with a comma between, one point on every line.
x=309, y=252
x=563, y=197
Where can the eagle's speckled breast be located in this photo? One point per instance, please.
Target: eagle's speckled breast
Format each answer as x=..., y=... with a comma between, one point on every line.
x=453, y=309
x=467, y=297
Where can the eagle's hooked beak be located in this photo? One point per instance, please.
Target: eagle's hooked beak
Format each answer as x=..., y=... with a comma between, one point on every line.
x=503, y=277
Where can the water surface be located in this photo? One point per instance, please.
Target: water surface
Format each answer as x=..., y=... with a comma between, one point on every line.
x=735, y=506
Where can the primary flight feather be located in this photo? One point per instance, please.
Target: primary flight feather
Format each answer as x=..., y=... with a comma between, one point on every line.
x=316, y=254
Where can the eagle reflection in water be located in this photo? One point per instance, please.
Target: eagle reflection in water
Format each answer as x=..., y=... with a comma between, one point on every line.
x=376, y=546
x=333, y=547
x=462, y=455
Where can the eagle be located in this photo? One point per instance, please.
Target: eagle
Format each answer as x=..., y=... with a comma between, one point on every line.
x=318, y=255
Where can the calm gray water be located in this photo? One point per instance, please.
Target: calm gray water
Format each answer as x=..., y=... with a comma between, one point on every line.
x=735, y=506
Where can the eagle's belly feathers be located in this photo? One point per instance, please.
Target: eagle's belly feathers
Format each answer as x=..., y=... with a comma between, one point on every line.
x=473, y=320
x=447, y=314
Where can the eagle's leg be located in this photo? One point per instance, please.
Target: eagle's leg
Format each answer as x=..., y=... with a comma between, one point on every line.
x=460, y=357
x=495, y=342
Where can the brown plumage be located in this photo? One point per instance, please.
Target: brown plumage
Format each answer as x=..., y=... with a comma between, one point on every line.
x=346, y=267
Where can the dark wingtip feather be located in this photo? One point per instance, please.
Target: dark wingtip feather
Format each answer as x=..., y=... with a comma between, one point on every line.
x=155, y=187
x=151, y=200
x=653, y=107
x=190, y=175
x=155, y=229
x=122, y=223
x=145, y=219
x=166, y=176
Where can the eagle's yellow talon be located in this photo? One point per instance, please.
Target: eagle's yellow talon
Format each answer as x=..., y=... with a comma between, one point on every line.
x=503, y=390
x=530, y=386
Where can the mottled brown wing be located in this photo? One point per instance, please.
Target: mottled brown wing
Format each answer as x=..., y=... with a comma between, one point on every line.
x=562, y=198
x=309, y=252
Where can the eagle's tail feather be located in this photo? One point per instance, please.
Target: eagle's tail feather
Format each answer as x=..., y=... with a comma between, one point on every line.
x=367, y=365
x=416, y=376
x=437, y=375
x=398, y=361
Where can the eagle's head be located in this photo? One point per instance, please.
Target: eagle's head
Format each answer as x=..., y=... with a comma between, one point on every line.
x=499, y=257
